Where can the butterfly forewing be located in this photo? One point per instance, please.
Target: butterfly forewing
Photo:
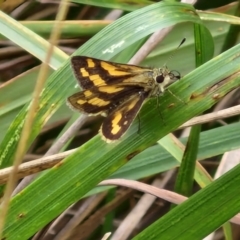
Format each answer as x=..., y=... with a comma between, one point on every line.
x=94, y=72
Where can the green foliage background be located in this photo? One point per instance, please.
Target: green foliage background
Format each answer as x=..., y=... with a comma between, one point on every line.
x=59, y=187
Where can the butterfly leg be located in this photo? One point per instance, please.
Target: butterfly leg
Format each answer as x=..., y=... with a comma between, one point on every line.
x=139, y=124
x=159, y=111
x=179, y=99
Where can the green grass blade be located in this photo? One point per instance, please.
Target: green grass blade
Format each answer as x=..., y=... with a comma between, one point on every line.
x=185, y=177
x=203, y=213
x=69, y=29
x=29, y=41
x=123, y=5
x=156, y=159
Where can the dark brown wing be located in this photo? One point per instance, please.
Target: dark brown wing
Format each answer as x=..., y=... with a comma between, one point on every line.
x=92, y=72
x=120, y=119
x=104, y=99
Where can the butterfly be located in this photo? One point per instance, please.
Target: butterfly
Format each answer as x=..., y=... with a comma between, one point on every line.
x=116, y=91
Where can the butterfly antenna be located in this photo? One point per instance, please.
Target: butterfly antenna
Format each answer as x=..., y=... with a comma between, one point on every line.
x=181, y=43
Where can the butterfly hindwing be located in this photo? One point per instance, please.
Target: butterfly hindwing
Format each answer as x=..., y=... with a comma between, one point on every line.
x=119, y=120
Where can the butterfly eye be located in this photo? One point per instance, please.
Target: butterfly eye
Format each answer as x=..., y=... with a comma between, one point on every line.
x=159, y=79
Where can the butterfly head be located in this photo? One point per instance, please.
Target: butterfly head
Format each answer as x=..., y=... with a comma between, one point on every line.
x=163, y=77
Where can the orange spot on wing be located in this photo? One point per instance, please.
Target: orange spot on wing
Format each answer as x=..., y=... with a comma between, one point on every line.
x=110, y=89
x=90, y=63
x=112, y=70
x=115, y=121
x=87, y=93
x=83, y=72
x=98, y=102
x=81, y=102
x=132, y=104
x=97, y=80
